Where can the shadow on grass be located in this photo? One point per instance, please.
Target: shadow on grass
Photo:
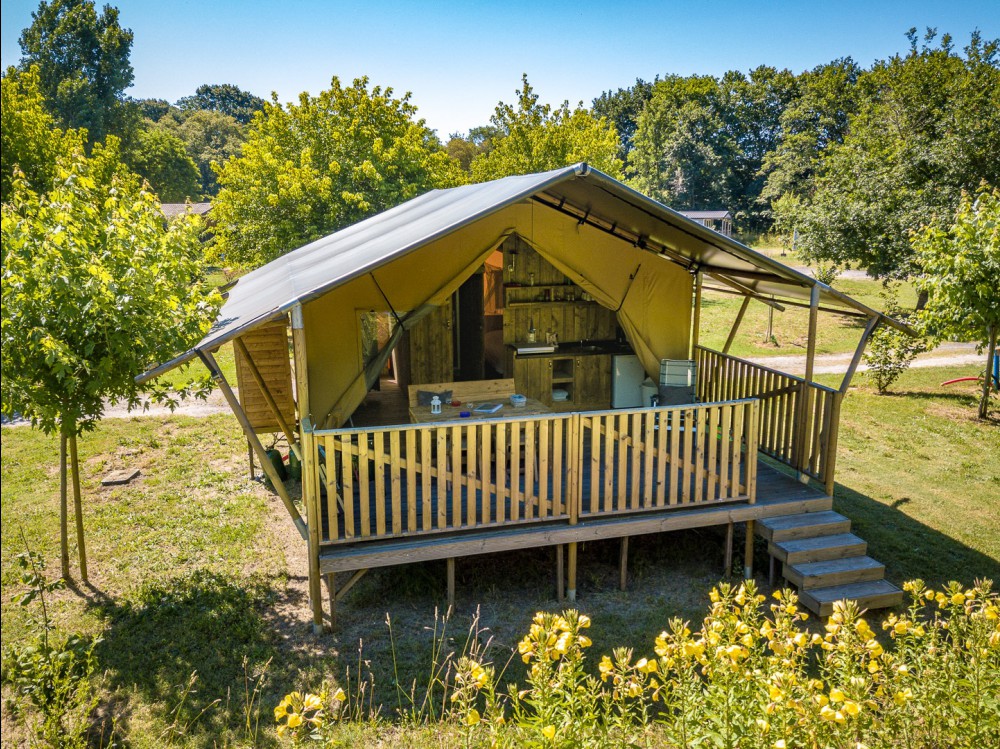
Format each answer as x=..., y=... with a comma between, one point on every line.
x=204, y=624
x=910, y=549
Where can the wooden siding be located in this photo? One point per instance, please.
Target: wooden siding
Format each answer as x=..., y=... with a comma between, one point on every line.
x=268, y=347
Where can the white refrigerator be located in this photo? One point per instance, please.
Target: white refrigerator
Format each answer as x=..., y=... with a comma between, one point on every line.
x=626, y=382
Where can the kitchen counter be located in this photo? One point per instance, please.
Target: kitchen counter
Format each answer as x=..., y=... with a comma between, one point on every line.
x=578, y=348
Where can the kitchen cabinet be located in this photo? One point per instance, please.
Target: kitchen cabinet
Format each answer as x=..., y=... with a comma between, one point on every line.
x=586, y=379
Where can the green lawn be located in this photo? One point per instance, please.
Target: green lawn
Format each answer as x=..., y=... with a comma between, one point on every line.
x=190, y=568
x=836, y=334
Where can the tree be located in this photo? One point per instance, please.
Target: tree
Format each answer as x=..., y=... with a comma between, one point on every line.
x=96, y=288
x=535, y=138
x=31, y=142
x=927, y=127
x=309, y=169
x=83, y=65
x=210, y=138
x=224, y=98
x=961, y=276
x=622, y=109
x=161, y=158
x=681, y=152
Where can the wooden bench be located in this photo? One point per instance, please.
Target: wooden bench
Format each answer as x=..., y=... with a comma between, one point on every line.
x=472, y=391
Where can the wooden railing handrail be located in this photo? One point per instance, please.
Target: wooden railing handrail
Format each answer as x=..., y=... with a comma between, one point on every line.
x=762, y=368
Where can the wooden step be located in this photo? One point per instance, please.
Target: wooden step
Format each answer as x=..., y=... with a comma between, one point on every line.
x=877, y=594
x=818, y=548
x=833, y=572
x=805, y=525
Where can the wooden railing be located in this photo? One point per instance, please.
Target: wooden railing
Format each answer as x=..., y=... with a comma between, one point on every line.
x=390, y=482
x=652, y=458
x=798, y=419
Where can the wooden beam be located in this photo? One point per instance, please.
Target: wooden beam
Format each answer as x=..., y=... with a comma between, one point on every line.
x=748, y=551
x=735, y=287
x=813, y=327
x=696, y=315
x=623, y=564
x=268, y=397
x=736, y=325
x=331, y=589
x=571, y=583
x=560, y=574
x=451, y=583
x=858, y=353
x=254, y=441
x=310, y=480
x=351, y=582
x=728, y=558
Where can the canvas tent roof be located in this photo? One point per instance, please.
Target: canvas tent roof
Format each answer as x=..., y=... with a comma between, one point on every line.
x=584, y=194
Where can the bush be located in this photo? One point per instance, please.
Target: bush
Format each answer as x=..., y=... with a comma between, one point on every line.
x=890, y=351
x=50, y=676
x=751, y=676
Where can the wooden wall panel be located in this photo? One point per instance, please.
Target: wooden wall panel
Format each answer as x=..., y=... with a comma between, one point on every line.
x=268, y=347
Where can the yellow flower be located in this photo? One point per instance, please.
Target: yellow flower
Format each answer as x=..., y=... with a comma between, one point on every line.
x=312, y=702
x=606, y=667
x=851, y=708
x=694, y=648
x=339, y=695
x=583, y=621
x=874, y=648
x=903, y=696
x=549, y=732
x=836, y=695
x=294, y=720
x=958, y=599
x=763, y=725
x=779, y=744
x=472, y=717
x=281, y=710
x=583, y=641
x=774, y=692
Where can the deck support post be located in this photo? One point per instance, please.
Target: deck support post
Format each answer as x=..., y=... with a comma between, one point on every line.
x=623, y=564
x=451, y=583
x=560, y=574
x=571, y=569
x=736, y=325
x=806, y=394
x=728, y=562
x=772, y=570
x=331, y=588
x=748, y=551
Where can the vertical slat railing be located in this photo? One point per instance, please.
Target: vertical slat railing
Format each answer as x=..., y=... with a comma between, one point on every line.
x=797, y=420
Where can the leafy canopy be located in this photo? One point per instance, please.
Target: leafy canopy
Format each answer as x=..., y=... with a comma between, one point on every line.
x=224, y=98
x=162, y=159
x=95, y=289
x=927, y=127
x=535, y=138
x=331, y=160
x=83, y=65
x=31, y=141
x=209, y=137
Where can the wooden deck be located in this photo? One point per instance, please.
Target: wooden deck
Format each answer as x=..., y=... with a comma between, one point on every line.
x=777, y=494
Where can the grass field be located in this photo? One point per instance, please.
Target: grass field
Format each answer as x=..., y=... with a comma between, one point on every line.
x=194, y=570
x=836, y=334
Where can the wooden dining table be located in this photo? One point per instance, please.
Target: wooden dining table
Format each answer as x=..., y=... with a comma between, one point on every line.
x=423, y=415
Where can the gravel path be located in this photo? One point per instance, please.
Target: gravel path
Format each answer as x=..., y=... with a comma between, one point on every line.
x=945, y=355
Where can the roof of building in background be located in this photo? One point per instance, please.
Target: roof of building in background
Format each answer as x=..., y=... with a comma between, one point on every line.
x=170, y=210
x=696, y=215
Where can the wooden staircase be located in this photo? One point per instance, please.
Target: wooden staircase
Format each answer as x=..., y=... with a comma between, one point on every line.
x=819, y=554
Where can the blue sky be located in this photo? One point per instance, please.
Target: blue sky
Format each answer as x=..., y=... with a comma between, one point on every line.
x=460, y=58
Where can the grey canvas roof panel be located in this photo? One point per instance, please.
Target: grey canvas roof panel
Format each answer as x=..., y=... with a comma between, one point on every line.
x=317, y=267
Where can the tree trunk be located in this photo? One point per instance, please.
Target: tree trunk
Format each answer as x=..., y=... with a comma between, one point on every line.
x=81, y=547
x=922, y=297
x=63, y=512
x=984, y=401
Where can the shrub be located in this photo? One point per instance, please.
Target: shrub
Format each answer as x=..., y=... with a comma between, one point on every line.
x=751, y=676
x=890, y=351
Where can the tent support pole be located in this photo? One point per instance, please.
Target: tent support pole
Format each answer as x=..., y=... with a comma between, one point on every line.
x=736, y=325
x=748, y=551
x=268, y=397
x=696, y=316
x=806, y=393
x=571, y=573
x=310, y=488
x=858, y=353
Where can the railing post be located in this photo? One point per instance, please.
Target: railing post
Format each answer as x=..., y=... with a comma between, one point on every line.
x=830, y=459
